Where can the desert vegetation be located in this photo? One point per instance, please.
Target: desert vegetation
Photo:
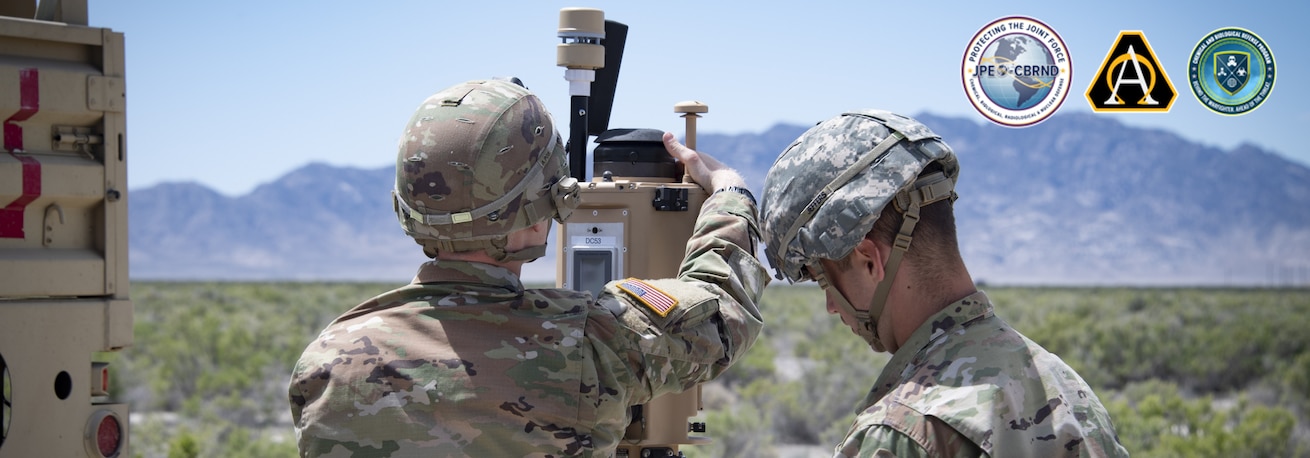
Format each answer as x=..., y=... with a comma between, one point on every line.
x=1185, y=372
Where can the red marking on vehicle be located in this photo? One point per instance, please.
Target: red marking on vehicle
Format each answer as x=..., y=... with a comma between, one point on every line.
x=11, y=217
x=29, y=103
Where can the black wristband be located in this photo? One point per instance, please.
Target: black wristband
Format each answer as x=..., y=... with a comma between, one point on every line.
x=740, y=190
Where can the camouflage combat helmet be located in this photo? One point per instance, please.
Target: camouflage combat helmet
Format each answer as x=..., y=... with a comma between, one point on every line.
x=478, y=161
x=826, y=190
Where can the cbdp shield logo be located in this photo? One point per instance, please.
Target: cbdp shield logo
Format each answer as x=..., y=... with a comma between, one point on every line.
x=1016, y=71
x=1131, y=78
x=1232, y=71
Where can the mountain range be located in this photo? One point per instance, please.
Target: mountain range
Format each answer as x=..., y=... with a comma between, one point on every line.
x=1077, y=200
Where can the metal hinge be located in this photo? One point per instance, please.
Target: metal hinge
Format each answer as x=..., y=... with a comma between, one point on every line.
x=105, y=93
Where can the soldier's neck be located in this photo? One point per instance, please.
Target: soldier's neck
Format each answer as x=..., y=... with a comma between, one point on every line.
x=481, y=257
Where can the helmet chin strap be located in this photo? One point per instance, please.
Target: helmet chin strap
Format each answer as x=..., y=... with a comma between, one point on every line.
x=526, y=254
x=929, y=189
x=866, y=325
x=899, y=246
x=561, y=200
x=866, y=321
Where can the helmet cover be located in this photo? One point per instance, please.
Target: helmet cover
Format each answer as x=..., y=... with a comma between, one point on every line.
x=476, y=162
x=827, y=189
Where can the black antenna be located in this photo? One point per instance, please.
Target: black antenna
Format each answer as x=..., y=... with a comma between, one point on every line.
x=607, y=78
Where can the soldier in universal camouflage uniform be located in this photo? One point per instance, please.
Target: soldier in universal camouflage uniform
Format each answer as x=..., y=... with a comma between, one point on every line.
x=841, y=206
x=465, y=361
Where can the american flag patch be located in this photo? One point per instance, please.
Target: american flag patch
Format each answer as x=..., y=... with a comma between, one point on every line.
x=654, y=299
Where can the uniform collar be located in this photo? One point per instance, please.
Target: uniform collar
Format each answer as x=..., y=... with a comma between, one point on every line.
x=469, y=273
x=932, y=333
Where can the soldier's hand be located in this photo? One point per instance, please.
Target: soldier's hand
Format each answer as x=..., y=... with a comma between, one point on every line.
x=704, y=169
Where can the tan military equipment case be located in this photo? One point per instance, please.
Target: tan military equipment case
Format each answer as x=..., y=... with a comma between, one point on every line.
x=63, y=232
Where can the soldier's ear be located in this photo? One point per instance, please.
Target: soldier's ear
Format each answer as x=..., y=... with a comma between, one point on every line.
x=870, y=258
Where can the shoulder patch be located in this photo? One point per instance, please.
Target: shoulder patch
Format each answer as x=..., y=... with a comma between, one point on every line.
x=654, y=299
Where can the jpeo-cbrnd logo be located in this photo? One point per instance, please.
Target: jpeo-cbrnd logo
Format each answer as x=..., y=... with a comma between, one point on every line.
x=1016, y=71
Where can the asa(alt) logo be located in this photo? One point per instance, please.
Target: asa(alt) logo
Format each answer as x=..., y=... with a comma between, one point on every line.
x=1131, y=78
x=1016, y=71
x=1231, y=71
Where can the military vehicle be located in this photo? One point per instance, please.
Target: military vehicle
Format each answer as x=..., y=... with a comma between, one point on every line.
x=64, y=305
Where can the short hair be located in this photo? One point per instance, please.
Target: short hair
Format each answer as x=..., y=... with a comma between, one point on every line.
x=934, y=241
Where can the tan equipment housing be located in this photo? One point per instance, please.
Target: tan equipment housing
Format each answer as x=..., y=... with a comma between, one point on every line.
x=624, y=227
x=64, y=305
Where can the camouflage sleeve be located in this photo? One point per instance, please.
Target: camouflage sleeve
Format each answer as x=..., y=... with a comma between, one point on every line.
x=885, y=442
x=882, y=441
x=721, y=251
x=715, y=318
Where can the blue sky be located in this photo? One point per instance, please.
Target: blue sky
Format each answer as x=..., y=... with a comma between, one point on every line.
x=234, y=94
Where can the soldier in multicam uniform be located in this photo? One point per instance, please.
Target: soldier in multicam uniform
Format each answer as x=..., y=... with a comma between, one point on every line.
x=841, y=206
x=465, y=361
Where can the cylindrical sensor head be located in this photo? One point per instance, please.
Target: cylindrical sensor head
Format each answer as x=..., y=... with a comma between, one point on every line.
x=581, y=30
